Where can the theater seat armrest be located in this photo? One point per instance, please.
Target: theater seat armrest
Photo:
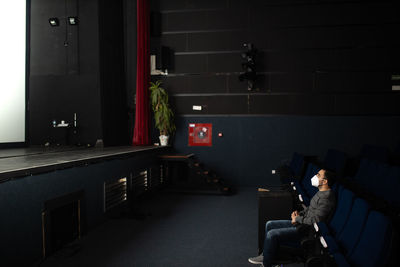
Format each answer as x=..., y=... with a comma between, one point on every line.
x=316, y=228
x=323, y=242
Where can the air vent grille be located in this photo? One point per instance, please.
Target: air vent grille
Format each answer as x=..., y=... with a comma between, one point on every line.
x=115, y=193
x=139, y=183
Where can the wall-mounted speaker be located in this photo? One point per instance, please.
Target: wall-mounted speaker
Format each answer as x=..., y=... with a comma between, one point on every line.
x=166, y=58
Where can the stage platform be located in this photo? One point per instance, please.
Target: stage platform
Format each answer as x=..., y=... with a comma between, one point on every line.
x=19, y=162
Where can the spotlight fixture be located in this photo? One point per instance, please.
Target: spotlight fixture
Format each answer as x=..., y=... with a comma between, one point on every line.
x=54, y=22
x=73, y=21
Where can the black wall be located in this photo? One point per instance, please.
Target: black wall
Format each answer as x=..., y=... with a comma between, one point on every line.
x=324, y=79
x=78, y=69
x=315, y=57
x=112, y=73
x=64, y=69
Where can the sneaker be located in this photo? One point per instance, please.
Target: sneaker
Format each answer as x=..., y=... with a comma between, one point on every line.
x=257, y=260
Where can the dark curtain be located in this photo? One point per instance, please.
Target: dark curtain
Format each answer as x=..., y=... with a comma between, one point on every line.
x=141, y=131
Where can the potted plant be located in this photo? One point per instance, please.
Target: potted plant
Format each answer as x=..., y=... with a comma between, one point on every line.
x=163, y=115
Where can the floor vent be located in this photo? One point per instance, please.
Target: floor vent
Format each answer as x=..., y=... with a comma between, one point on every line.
x=115, y=193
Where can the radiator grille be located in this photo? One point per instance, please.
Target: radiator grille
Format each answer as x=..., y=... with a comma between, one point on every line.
x=155, y=177
x=115, y=193
x=139, y=183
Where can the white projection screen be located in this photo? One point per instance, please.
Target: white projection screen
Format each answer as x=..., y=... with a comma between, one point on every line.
x=13, y=16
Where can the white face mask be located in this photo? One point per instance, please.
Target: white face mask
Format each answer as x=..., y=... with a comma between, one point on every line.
x=315, y=181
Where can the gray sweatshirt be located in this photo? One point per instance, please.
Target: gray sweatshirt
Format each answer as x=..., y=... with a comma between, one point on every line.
x=321, y=207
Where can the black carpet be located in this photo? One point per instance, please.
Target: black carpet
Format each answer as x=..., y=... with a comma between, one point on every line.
x=180, y=230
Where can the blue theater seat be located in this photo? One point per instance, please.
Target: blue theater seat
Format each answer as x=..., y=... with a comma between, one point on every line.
x=298, y=183
x=344, y=204
x=357, y=234
x=378, y=179
x=346, y=240
x=292, y=171
x=296, y=163
x=304, y=187
x=373, y=246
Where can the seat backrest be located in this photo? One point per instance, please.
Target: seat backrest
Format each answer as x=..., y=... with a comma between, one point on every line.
x=343, y=208
x=373, y=247
x=335, y=160
x=338, y=188
x=311, y=190
x=297, y=163
x=308, y=174
x=350, y=234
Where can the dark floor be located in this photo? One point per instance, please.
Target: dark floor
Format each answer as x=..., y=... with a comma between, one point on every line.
x=182, y=230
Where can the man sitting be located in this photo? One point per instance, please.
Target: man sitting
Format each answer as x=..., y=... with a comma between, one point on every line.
x=277, y=232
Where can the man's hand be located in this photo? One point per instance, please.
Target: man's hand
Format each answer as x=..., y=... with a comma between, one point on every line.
x=294, y=215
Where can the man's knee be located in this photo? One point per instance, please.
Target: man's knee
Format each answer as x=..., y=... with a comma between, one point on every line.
x=272, y=234
x=268, y=226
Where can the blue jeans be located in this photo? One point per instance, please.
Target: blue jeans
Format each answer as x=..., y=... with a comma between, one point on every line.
x=278, y=232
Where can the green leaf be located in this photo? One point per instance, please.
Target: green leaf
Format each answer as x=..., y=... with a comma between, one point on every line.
x=163, y=114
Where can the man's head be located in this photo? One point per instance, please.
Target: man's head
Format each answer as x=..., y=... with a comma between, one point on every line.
x=324, y=179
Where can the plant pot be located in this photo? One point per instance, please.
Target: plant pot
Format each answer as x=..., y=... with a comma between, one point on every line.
x=164, y=140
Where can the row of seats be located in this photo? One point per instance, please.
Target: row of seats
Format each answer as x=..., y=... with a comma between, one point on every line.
x=373, y=178
x=338, y=161
x=334, y=160
x=356, y=235
x=303, y=190
x=292, y=170
x=379, y=179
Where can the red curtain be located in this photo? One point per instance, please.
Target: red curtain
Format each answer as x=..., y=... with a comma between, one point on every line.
x=141, y=131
